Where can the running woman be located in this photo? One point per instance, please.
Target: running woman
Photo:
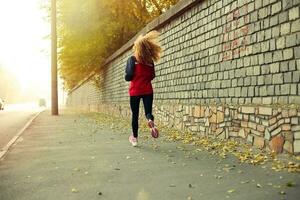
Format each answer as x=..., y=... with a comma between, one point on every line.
x=140, y=71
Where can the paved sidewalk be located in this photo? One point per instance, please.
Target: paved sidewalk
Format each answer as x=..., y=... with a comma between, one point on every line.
x=72, y=157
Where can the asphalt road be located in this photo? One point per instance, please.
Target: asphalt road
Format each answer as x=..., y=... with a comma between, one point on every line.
x=13, y=118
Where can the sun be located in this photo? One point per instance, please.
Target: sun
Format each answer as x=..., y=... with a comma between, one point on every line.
x=23, y=49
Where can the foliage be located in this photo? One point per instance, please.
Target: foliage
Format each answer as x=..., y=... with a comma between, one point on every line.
x=90, y=31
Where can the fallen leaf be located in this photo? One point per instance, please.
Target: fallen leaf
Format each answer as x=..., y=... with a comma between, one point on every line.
x=282, y=192
x=258, y=185
x=74, y=190
x=231, y=191
x=243, y=182
x=290, y=184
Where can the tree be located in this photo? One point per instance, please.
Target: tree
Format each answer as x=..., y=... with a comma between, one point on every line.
x=90, y=31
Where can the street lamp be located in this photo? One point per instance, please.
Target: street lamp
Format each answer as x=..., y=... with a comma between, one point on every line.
x=54, y=93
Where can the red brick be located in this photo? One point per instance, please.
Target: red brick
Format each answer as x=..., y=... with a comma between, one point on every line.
x=276, y=144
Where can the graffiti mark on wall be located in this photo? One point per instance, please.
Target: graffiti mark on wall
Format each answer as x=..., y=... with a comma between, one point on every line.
x=234, y=33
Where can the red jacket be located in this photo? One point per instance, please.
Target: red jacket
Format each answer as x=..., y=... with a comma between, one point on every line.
x=140, y=76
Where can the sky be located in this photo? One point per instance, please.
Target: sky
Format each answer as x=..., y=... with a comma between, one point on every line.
x=24, y=51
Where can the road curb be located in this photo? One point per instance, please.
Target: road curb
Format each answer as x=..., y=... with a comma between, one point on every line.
x=5, y=149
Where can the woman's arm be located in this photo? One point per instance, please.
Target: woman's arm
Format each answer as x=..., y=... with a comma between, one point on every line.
x=153, y=74
x=129, y=68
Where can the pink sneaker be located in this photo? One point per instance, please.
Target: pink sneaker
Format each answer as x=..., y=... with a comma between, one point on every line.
x=133, y=140
x=154, y=131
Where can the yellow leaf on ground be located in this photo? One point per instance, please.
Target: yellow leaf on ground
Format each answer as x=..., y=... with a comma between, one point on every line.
x=231, y=191
x=74, y=190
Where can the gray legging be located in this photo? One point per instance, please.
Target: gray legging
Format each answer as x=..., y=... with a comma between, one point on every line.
x=135, y=106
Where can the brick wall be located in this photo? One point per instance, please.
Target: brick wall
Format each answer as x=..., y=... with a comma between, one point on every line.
x=231, y=68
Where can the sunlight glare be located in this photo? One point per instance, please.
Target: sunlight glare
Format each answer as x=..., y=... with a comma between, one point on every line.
x=22, y=47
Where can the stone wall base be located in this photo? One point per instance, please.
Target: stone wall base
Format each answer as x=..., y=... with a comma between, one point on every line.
x=275, y=129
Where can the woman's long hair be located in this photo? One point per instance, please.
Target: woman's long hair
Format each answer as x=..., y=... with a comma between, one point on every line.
x=147, y=48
